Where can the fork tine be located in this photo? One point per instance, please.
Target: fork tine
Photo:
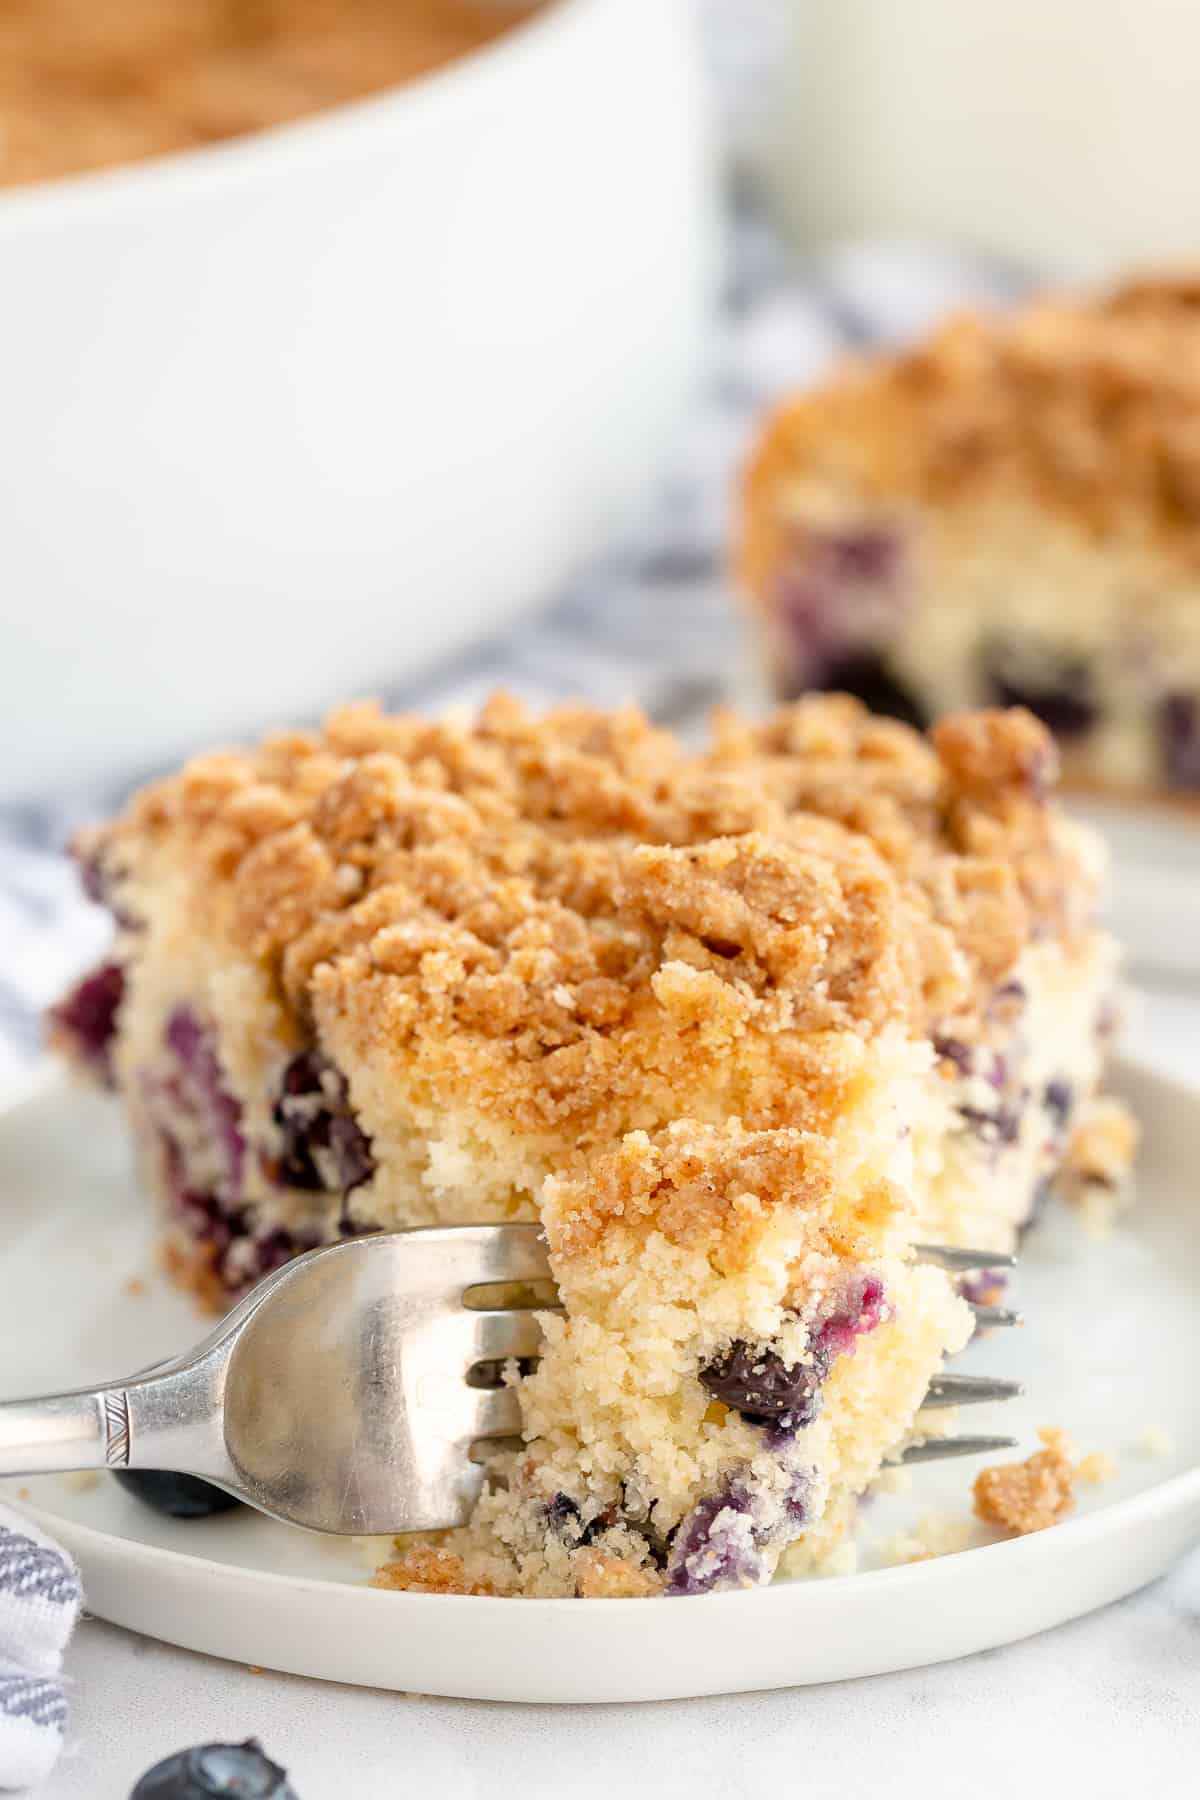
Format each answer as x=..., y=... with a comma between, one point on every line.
x=496, y=1414
x=963, y=1261
x=996, y=1315
x=501, y=1334
x=930, y=1449
x=489, y=1253
x=969, y=1390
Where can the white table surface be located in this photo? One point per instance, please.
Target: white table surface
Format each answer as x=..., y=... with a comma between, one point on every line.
x=1107, y=1706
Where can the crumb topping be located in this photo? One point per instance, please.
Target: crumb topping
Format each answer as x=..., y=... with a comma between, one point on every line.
x=601, y=1576
x=570, y=916
x=1089, y=406
x=1032, y=1495
x=426, y=1569
x=701, y=1184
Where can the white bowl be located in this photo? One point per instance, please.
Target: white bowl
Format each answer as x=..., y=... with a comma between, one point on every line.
x=291, y=416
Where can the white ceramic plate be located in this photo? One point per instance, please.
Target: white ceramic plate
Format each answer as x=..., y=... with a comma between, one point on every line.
x=1112, y=1346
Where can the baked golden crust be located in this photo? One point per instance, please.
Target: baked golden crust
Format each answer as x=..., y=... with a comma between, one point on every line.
x=696, y=1184
x=572, y=920
x=426, y=1569
x=1088, y=407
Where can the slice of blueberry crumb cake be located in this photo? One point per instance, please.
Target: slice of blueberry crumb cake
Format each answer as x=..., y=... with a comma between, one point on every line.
x=742, y=1026
x=1005, y=513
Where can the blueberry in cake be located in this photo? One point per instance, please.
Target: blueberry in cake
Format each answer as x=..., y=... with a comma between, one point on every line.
x=741, y=1026
x=1009, y=514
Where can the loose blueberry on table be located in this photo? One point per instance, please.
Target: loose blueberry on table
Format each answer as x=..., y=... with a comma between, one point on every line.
x=216, y=1772
x=178, y=1496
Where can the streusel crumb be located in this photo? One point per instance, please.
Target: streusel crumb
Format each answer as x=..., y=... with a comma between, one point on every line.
x=604, y=1577
x=427, y=1570
x=1031, y=1495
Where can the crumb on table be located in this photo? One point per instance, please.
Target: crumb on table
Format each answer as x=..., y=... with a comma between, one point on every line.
x=135, y=1287
x=1028, y=1496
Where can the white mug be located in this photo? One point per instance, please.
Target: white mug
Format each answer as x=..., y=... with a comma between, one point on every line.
x=1063, y=135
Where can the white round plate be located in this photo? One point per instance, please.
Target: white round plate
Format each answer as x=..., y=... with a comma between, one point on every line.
x=1111, y=1348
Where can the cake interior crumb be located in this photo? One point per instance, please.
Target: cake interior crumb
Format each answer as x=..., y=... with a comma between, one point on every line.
x=892, y=1480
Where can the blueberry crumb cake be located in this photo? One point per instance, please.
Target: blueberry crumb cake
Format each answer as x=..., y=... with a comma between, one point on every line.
x=1007, y=514
x=741, y=1026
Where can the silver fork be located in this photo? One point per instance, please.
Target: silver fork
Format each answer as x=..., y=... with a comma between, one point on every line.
x=348, y=1391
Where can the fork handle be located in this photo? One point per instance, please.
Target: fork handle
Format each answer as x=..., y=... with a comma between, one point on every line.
x=87, y=1429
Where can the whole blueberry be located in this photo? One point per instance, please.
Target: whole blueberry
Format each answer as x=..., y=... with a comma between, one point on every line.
x=177, y=1496
x=1179, y=727
x=867, y=675
x=756, y=1382
x=87, y=1016
x=216, y=1772
x=324, y=1147
x=1057, y=687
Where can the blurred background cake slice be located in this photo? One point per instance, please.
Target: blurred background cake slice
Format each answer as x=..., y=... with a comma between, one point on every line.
x=1008, y=513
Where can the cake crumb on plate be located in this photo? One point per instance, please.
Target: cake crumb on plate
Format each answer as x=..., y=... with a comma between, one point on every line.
x=1031, y=1495
x=937, y=1534
x=1155, y=1441
x=1096, y=1469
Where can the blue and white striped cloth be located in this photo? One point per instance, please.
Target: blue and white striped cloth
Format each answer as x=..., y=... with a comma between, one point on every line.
x=40, y=1598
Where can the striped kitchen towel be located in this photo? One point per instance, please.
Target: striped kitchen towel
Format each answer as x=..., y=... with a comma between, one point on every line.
x=40, y=1598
